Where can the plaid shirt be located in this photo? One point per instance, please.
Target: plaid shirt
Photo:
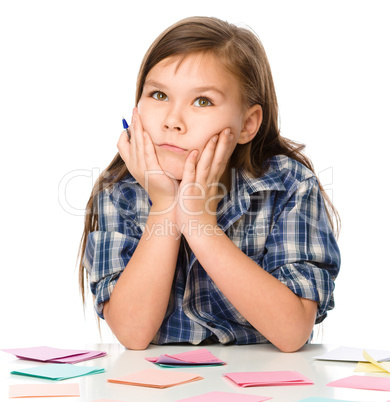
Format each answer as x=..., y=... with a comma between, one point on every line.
x=278, y=220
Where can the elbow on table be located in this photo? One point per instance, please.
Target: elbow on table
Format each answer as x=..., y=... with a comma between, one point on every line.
x=129, y=337
x=135, y=345
x=290, y=343
x=289, y=347
x=133, y=342
x=296, y=332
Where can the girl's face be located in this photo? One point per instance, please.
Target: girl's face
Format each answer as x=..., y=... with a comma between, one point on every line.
x=183, y=105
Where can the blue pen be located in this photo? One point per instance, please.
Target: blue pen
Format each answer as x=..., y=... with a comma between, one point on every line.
x=126, y=127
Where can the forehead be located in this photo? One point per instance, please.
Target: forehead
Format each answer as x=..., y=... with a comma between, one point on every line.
x=203, y=68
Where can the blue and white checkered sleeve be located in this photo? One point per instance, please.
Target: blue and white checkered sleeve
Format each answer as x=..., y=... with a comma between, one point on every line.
x=301, y=250
x=108, y=250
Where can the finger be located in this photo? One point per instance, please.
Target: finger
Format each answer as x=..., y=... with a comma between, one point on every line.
x=124, y=146
x=221, y=155
x=206, y=159
x=137, y=134
x=189, y=172
x=136, y=126
x=151, y=160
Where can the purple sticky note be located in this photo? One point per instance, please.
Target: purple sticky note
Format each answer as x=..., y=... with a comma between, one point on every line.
x=54, y=355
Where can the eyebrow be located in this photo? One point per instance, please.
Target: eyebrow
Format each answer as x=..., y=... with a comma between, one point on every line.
x=197, y=89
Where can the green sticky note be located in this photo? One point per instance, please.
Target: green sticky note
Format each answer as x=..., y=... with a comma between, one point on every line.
x=58, y=372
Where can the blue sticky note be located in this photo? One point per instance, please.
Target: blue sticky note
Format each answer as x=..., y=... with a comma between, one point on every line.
x=58, y=372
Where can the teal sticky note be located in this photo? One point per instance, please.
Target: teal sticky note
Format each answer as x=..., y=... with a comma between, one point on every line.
x=58, y=372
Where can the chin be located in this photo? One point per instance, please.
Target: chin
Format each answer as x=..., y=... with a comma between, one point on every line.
x=174, y=173
x=174, y=168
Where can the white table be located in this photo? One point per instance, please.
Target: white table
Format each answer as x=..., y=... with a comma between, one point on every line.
x=120, y=361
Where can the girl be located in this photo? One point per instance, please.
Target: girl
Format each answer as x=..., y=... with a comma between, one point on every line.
x=208, y=226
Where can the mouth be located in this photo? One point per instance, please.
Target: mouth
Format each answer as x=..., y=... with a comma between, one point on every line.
x=173, y=148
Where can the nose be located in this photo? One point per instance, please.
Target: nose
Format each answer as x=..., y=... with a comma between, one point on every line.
x=174, y=121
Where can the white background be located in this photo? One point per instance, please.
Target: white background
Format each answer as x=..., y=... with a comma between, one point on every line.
x=68, y=72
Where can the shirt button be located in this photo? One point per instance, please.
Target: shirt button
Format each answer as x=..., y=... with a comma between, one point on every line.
x=211, y=324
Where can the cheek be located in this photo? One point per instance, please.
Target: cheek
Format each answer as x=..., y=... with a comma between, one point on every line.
x=223, y=118
x=203, y=130
x=206, y=130
x=149, y=121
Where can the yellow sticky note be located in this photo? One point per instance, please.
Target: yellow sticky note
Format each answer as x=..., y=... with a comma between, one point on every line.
x=372, y=366
x=365, y=367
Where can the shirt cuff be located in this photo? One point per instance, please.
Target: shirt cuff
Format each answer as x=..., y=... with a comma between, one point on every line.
x=308, y=281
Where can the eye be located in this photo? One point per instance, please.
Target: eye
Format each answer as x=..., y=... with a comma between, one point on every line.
x=202, y=102
x=160, y=96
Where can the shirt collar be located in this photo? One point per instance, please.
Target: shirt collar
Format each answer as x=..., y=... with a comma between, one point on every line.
x=248, y=184
x=238, y=201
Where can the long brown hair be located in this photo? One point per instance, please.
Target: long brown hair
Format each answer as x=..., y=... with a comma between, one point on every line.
x=241, y=53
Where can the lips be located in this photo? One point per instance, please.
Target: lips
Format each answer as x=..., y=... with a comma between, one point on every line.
x=172, y=148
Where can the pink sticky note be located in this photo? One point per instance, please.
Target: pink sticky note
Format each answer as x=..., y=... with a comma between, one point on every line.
x=267, y=378
x=106, y=400
x=43, y=390
x=156, y=378
x=199, y=356
x=225, y=397
x=363, y=382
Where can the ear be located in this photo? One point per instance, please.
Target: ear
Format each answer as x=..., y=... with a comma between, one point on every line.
x=252, y=121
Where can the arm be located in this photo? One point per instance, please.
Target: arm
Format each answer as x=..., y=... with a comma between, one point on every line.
x=268, y=304
x=139, y=301
x=140, y=298
x=272, y=308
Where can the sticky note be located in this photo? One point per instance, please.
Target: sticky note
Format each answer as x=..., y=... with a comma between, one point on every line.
x=193, y=357
x=106, y=400
x=82, y=357
x=58, y=371
x=365, y=367
x=43, y=390
x=268, y=378
x=349, y=354
x=385, y=367
x=363, y=382
x=225, y=397
x=55, y=355
x=156, y=378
